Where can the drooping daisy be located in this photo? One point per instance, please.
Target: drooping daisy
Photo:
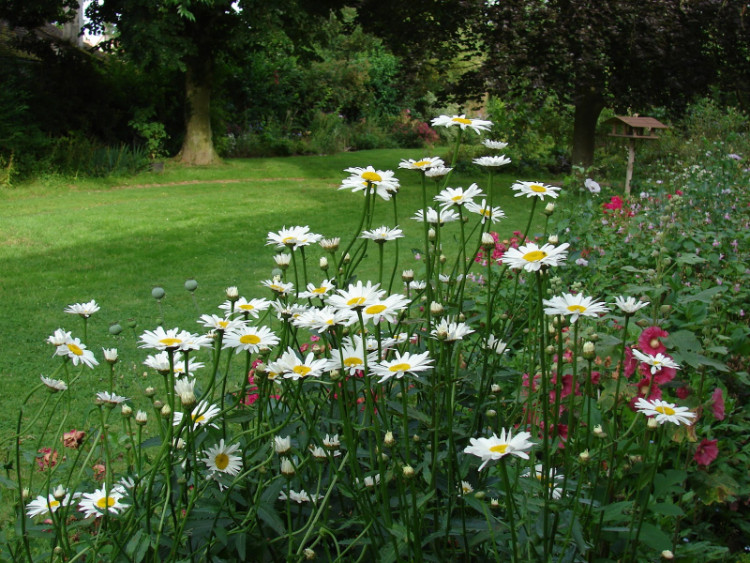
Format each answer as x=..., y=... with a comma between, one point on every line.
x=250, y=339
x=77, y=352
x=476, y=125
x=574, y=306
x=283, y=260
x=59, y=337
x=402, y=364
x=495, y=145
x=657, y=362
x=317, y=291
x=552, y=480
x=288, y=312
x=323, y=319
x=351, y=357
x=282, y=445
x=664, y=411
x=96, y=503
x=279, y=287
x=201, y=414
x=173, y=339
x=448, y=330
x=332, y=442
x=181, y=369
x=385, y=309
x=42, y=505
x=356, y=296
x=85, y=310
x=383, y=182
x=436, y=216
x=532, y=257
x=293, y=237
x=185, y=389
x=494, y=214
x=290, y=366
x=54, y=385
x=535, y=189
x=493, y=448
x=422, y=164
x=492, y=161
x=437, y=172
x=110, y=398
x=215, y=322
x=253, y=307
x=458, y=196
x=221, y=458
x=383, y=234
x=299, y=497
x=629, y=305
x=159, y=362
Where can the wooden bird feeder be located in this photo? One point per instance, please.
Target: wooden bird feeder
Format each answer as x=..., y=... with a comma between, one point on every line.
x=634, y=128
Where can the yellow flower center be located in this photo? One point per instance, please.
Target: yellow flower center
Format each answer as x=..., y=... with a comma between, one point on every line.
x=354, y=301
x=656, y=362
x=375, y=309
x=54, y=504
x=247, y=307
x=221, y=460
x=289, y=240
x=485, y=212
x=319, y=290
x=106, y=502
x=654, y=343
x=198, y=418
x=458, y=197
x=372, y=177
x=222, y=324
x=249, y=339
x=351, y=362
x=535, y=256
x=461, y=120
x=169, y=342
x=302, y=371
x=499, y=449
x=669, y=411
x=399, y=367
x=423, y=163
x=576, y=308
x=538, y=188
x=75, y=349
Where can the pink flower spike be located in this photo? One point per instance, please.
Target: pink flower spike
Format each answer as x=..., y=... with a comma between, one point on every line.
x=717, y=403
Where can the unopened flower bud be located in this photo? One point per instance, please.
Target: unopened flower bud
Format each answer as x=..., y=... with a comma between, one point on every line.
x=552, y=239
x=233, y=294
x=166, y=412
x=491, y=413
x=436, y=309
x=408, y=471
x=158, y=293
x=599, y=431
x=347, y=258
x=584, y=456
x=309, y=554
x=126, y=411
x=652, y=423
x=59, y=492
x=287, y=468
x=25, y=493
x=665, y=309
x=158, y=404
x=431, y=234
x=150, y=391
x=141, y=418
x=389, y=440
x=115, y=329
x=667, y=554
x=589, y=350
x=407, y=275
x=443, y=258
x=495, y=388
x=487, y=241
x=110, y=354
x=549, y=209
x=323, y=263
x=494, y=503
x=191, y=285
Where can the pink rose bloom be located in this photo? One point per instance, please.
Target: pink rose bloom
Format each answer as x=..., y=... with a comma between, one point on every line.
x=706, y=452
x=717, y=405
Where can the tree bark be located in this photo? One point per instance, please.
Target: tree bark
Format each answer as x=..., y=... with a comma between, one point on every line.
x=588, y=106
x=198, y=146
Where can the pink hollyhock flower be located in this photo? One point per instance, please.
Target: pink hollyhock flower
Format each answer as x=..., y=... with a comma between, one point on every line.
x=717, y=404
x=649, y=342
x=683, y=392
x=47, y=459
x=662, y=376
x=706, y=452
x=73, y=438
x=631, y=362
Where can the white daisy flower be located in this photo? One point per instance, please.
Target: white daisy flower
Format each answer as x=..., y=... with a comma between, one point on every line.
x=535, y=189
x=110, y=354
x=181, y=369
x=351, y=357
x=575, y=306
x=629, y=305
x=242, y=305
x=317, y=291
x=215, y=322
x=110, y=398
x=496, y=345
x=54, y=385
x=657, y=362
x=185, y=389
x=385, y=309
x=293, y=237
x=290, y=366
x=383, y=234
x=466, y=488
x=402, y=364
x=280, y=288
x=492, y=161
x=159, y=362
x=450, y=331
x=299, y=497
x=201, y=414
x=423, y=164
x=664, y=411
x=173, y=339
x=438, y=216
x=383, y=182
x=283, y=260
x=282, y=445
x=96, y=503
x=288, y=312
x=59, y=337
x=458, y=196
x=221, y=458
x=494, y=447
x=476, y=125
x=494, y=214
x=77, y=352
x=437, y=172
x=331, y=442
x=323, y=319
x=552, y=481
x=356, y=296
x=41, y=505
x=495, y=145
x=532, y=257
x=250, y=339
x=85, y=310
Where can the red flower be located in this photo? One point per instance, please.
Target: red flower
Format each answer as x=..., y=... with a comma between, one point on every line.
x=706, y=452
x=649, y=341
x=683, y=392
x=717, y=405
x=614, y=204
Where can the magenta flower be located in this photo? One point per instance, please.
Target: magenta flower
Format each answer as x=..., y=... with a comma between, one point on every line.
x=717, y=403
x=706, y=452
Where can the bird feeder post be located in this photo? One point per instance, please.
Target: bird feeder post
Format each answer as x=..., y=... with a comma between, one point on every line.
x=632, y=128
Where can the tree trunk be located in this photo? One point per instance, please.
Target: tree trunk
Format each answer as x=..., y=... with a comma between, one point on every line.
x=198, y=146
x=588, y=106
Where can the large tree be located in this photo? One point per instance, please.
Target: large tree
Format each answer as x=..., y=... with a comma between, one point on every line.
x=194, y=36
x=598, y=53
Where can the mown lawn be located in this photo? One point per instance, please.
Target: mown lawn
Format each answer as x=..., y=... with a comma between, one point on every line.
x=66, y=241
